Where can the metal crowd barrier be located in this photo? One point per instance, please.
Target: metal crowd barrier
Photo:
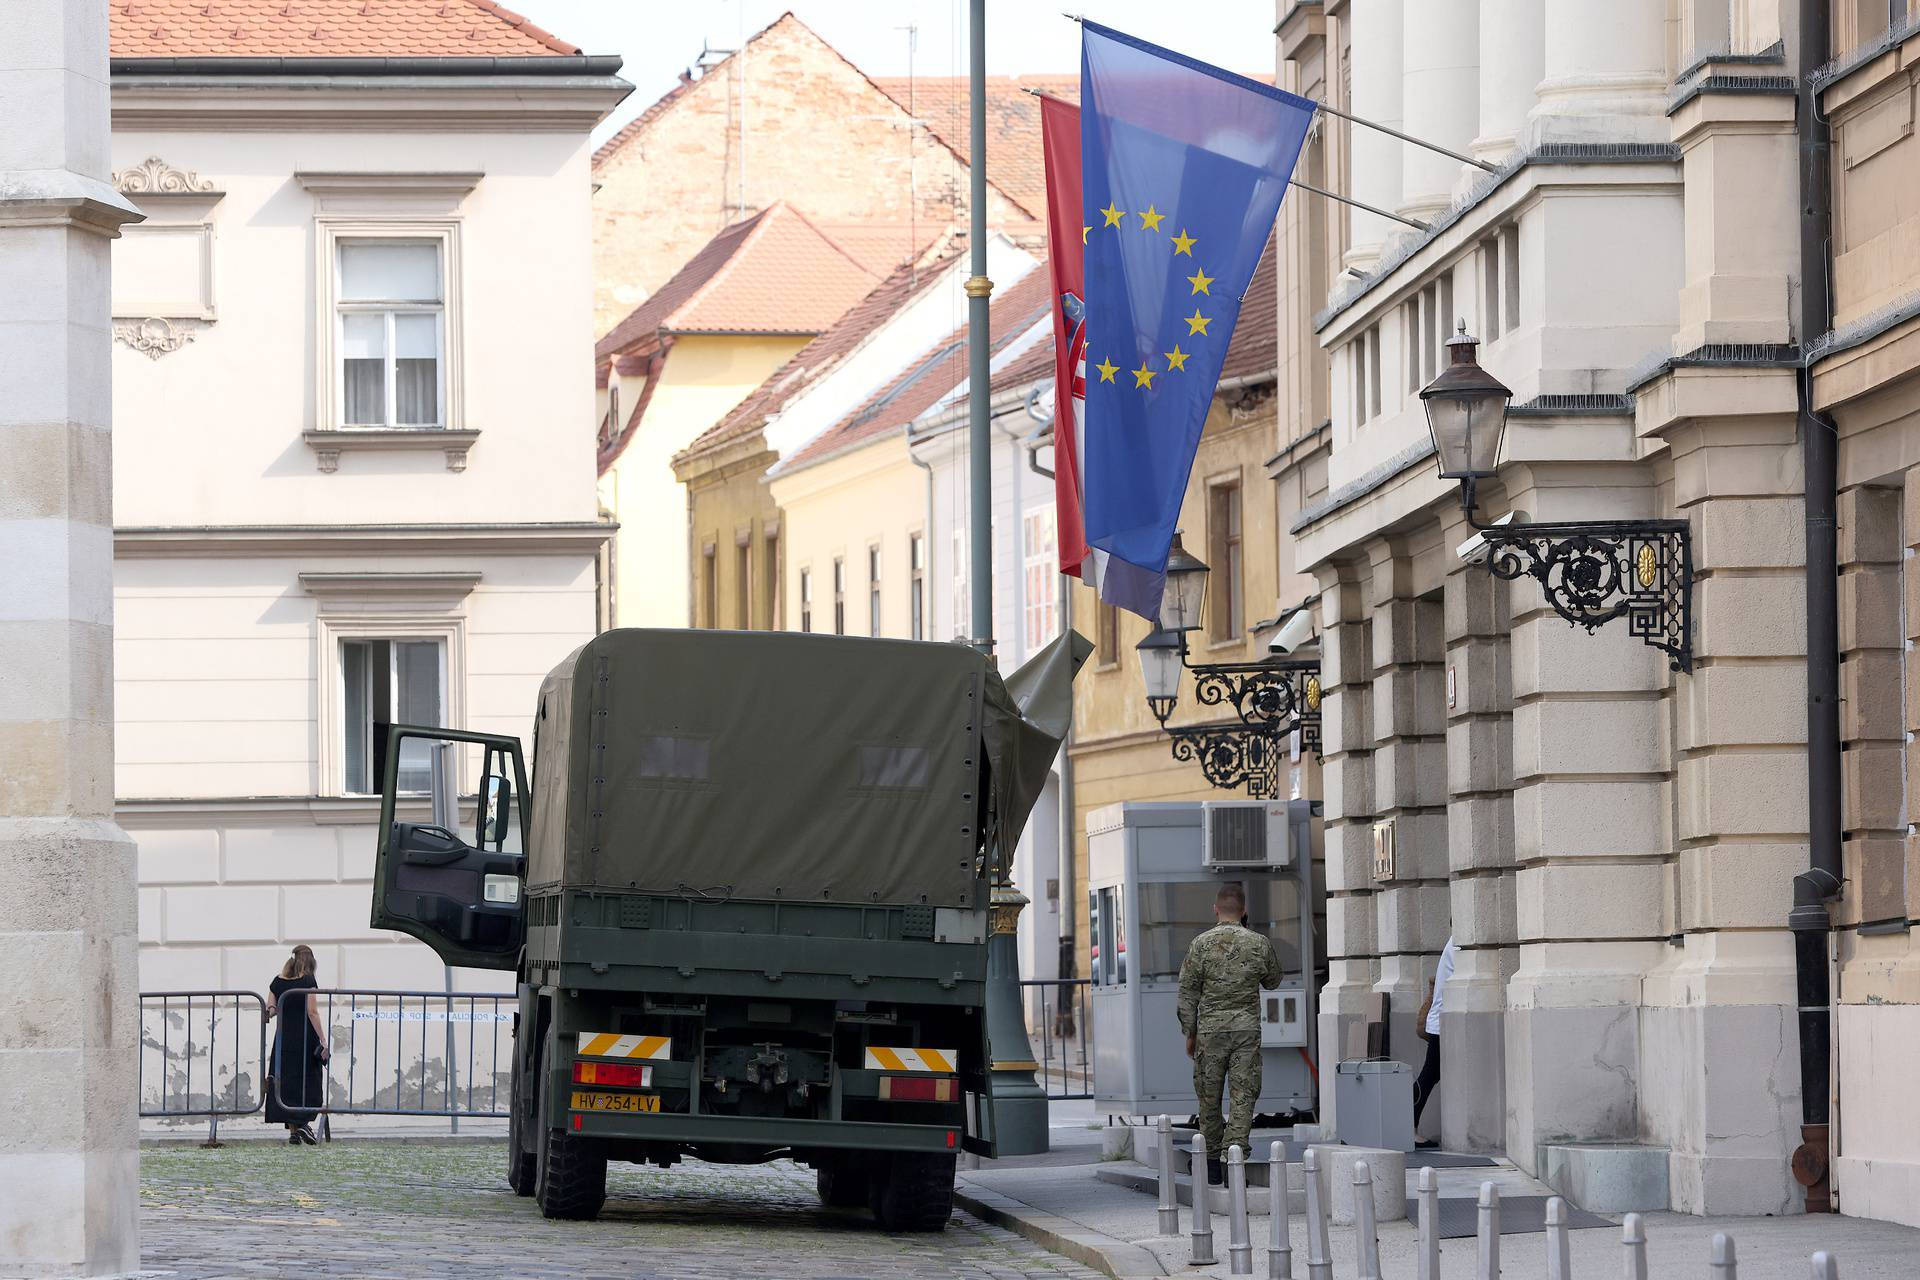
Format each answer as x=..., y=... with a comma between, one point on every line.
x=202, y=1053
x=1064, y=1036
x=407, y=1053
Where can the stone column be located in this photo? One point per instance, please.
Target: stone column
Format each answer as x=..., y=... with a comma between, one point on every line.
x=1591, y=806
x=1376, y=157
x=69, y=1026
x=1479, y=699
x=1409, y=784
x=1512, y=49
x=1440, y=77
x=1346, y=782
x=1725, y=994
x=1605, y=77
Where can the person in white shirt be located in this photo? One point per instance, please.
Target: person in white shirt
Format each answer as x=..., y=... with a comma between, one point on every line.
x=1429, y=1028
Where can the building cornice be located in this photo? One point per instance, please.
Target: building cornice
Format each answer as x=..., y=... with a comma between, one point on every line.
x=391, y=103
x=225, y=541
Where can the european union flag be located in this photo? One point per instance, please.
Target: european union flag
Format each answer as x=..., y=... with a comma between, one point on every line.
x=1182, y=169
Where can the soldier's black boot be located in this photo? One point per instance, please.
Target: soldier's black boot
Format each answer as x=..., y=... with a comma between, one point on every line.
x=1216, y=1172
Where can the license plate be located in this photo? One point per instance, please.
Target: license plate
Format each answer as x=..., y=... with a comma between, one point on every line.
x=583, y=1101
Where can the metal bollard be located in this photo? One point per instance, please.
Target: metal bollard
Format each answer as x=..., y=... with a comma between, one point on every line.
x=1720, y=1263
x=1366, y=1232
x=1633, y=1234
x=1202, y=1233
x=1429, y=1265
x=1169, y=1202
x=1280, y=1215
x=1489, y=1232
x=1239, y=1242
x=1319, y=1255
x=1825, y=1266
x=1559, y=1247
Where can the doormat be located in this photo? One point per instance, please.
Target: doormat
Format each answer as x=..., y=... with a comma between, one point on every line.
x=1446, y=1160
x=1519, y=1215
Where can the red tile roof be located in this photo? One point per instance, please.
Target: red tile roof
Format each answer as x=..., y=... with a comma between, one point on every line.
x=774, y=273
x=930, y=376
x=822, y=355
x=325, y=29
x=1014, y=160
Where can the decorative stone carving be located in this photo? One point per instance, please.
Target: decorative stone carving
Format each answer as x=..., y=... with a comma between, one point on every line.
x=457, y=459
x=155, y=336
x=328, y=460
x=157, y=177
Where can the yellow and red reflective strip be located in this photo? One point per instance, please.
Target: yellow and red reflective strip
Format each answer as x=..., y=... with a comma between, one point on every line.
x=936, y=1060
x=611, y=1044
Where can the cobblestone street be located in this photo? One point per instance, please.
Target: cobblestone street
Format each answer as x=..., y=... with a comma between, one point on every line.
x=372, y=1209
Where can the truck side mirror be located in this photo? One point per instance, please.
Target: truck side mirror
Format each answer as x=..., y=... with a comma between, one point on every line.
x=499, y=811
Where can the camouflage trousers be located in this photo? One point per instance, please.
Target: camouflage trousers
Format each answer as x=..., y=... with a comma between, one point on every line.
x=1232, y=1059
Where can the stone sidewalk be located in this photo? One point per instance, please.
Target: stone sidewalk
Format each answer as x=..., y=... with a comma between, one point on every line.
x=1112, y=1228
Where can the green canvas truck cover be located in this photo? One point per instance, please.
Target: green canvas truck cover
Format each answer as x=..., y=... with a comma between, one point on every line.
x=786, y=766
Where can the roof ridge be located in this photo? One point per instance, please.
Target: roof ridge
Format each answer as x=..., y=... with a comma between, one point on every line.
x=837, y=247
x=685, y=85
x=756, y=226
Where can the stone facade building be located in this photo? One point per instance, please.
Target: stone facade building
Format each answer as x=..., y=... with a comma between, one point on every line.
x=350, y=485
x=1613, y=843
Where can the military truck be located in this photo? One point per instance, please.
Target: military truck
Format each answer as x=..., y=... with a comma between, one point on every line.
x=746, y=896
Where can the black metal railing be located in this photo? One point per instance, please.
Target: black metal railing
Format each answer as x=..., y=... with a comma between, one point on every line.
x=1062, y=1034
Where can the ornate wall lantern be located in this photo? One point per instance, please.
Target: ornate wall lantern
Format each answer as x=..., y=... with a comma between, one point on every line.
x=1270, y=699
x=1591, y=571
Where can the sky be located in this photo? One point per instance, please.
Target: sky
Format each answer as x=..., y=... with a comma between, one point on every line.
x=660, y=38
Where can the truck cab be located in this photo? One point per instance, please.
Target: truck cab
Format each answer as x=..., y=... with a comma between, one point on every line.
x=744, y=888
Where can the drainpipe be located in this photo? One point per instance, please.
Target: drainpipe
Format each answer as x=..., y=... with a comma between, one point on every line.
x=1819, y=451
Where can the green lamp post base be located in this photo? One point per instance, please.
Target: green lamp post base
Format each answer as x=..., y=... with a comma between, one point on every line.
x=1019, y=1103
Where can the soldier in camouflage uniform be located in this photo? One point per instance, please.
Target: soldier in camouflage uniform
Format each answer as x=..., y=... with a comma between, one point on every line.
x=1220, y=983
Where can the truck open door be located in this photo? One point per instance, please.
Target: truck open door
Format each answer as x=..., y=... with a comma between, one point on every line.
x=459, y=894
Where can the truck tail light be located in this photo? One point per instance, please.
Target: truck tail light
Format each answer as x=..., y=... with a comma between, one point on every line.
x=917, y=1088
x=621, y=1075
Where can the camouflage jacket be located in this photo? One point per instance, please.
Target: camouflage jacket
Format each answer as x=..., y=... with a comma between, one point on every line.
x=1220, y=980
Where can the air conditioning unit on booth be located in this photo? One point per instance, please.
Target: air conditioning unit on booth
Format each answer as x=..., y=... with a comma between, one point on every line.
x=1246, y=835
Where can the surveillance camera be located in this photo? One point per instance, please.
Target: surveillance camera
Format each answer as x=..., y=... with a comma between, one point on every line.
x=1475, y=550
x=1294, y=632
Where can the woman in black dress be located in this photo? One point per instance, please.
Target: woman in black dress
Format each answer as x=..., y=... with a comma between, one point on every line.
x=299, y=1050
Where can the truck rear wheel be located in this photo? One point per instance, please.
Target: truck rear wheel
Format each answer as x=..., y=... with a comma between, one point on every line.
x=571, y=1181
x=913, y=1192
x=522, y=1163
x=842, y=1183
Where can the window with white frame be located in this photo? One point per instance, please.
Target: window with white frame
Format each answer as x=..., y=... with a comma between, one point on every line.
x=962, y=598
x=806, y=600
x=390, y=309
x=1039, y=559
x=839, y=596
x=1364, y=354
x=873, y=590
x=383, y=682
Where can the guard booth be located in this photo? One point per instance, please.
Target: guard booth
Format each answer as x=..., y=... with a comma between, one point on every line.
x=1152, y=872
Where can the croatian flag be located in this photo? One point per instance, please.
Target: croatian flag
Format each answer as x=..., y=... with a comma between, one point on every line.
x=1060, y=147
x=1183, y=166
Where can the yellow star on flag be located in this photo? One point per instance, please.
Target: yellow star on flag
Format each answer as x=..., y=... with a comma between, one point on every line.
x=1200, y=280
x=1183, y=243
x=1083, y=234
x=1112, y=215
x=1107, y=369
x=1150, y=221
x=1176, y=358
x=1197, y=323
x=1143, y=376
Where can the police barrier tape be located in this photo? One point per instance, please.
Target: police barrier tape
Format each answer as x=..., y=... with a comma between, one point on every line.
x=395, y=1053
x=1063, y=1033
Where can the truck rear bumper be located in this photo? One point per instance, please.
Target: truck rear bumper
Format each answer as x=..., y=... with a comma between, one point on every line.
x=769, y=1132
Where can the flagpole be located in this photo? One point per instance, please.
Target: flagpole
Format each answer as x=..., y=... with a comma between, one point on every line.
x=1019, y=1105
x=1387, y=129
x=1376, y=210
